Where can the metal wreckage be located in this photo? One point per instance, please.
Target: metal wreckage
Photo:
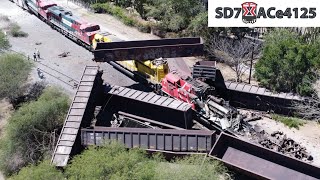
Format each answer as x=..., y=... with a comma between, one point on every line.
x=181, y=115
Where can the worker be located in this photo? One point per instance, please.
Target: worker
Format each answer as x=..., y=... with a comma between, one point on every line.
x=35, y=57
x=38, y=53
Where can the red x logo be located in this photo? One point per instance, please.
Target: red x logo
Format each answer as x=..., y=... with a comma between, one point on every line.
x=249, y=8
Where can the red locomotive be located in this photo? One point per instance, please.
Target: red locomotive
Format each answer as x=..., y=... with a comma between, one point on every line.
x=59, y=18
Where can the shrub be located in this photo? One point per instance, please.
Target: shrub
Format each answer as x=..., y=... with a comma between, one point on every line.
x=4, y=42
x=192, y=167
x=4, y=18
x=16, y=32
x=143, y=27
x=43, y=170
x=127, y=19
x=291, y=122
x=111, y=162
x=32, y=129
x=14, y=70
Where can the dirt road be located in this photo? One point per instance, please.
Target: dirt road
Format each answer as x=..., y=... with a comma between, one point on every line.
x=50, y=44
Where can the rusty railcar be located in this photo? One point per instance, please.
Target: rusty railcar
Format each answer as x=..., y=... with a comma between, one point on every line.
x=260, y=163
x=162, y=140
x=148, y=105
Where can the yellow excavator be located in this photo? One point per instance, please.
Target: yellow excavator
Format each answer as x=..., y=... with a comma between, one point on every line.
x=152, y=70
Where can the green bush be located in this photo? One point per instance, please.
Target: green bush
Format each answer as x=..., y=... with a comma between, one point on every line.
x=16, y=32
x=111, y=162
x=32, y=129
x=190, y=168
x=41, y=171
x=143, y=27
x=14, y=70
x=4, y=42
x=121, y=14
x=291, y=122
x=287, y=63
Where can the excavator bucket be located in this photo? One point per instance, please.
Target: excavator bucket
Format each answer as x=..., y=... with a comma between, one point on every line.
x=148, y=49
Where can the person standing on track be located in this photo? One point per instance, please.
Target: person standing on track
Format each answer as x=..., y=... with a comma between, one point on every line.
x=38, y=53
x=35, y=57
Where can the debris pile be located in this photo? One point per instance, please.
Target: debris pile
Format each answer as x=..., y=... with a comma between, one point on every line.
x=64, y=54
x=232, y=120
x=280, y=143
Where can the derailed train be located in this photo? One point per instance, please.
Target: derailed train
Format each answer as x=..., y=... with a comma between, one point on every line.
x=157, y=72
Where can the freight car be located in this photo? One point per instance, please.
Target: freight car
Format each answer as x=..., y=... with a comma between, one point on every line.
x=149, y=105
x=163, y=140
x=259, y=162
x=253, y=97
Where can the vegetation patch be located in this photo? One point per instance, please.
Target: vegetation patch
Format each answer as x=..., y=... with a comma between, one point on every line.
x=14, y=70
x=4, y=18
x=43, y=170
x=123, y=15
x=113, y=161
x=4, y=42
x=32, y=130
x=15, y=30
x=288, y=62
x=291, y=122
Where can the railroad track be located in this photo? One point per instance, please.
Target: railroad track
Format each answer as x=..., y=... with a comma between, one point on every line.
x=46, y=69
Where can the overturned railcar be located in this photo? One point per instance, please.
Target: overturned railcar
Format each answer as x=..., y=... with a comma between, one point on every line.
x=148, y=105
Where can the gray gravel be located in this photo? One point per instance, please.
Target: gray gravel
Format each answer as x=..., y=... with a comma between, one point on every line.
x=52, y=44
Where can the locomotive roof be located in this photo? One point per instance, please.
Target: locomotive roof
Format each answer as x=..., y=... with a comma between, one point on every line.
x=172, y=78
x=46, y=3
x=57, y=10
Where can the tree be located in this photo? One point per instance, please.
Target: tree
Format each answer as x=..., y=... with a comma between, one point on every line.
x=14, y=70
x=236, y=53
x=44, y=170
x=32, y=130
x=174, y=15
x=4, y=42
x=287, y=63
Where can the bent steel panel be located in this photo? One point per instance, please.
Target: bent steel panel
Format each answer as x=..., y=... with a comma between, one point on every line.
x=74, y=118
x=259, y=162
x=151, y=139
x=148, y=49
